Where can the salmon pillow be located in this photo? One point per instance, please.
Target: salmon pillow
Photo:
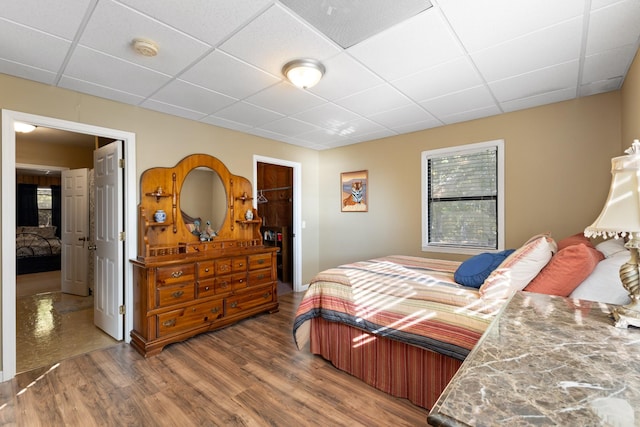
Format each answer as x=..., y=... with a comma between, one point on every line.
x=576, y=239
x=566, y=270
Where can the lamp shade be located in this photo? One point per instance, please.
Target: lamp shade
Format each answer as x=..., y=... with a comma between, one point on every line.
x=304, y=73
x=621, y=212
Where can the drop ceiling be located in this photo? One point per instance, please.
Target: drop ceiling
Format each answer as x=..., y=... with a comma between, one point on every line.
x=219, y=62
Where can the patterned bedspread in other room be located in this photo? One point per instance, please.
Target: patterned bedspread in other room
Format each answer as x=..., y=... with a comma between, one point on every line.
x=409, y=299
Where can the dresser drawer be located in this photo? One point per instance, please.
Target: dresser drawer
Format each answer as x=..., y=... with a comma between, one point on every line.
x=176, y=321
x=259, y=261
x=260, y=277
x=248, y=300
x=231, y=265
x=206, y=269
x=230, y=282
x=206, y=288
x=170, y=295
x=175, y=274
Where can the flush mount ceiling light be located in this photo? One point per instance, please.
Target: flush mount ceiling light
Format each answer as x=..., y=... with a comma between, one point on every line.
x=23, y=127
x=145, y=47
x=304, y=73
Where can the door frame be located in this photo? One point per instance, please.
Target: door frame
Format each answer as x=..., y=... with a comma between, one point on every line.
x=7, y=214
x=297, y=218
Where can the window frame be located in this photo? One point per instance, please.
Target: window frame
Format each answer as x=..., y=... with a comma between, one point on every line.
x=456, y=150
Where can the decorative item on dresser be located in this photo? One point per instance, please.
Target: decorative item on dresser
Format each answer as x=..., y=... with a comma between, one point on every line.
x=205, y=266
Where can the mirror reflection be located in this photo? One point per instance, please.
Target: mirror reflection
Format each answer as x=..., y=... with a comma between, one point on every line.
x=203, y=202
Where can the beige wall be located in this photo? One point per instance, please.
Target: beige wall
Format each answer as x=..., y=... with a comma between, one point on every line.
x=631, y=104
x=61, y=155
x=556, y=178
x=162, y=140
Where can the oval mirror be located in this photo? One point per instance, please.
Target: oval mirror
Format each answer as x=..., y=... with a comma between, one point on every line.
x=203, y=198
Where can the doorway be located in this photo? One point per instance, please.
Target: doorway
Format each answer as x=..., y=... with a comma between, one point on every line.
x=280, y=184
x=8, y=221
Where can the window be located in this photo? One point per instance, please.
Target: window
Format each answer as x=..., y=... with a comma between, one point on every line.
x=463, y=198
x=44, y=206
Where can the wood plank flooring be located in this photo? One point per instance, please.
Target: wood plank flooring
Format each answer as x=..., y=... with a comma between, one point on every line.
x=249, y=374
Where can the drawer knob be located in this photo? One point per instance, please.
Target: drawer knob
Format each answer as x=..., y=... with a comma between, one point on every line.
x=177, y=294
x=206, y=288
x=206, y=270
x=177, y=274
x=241, y=280
x=215, y=310
x=260, y=276
x=169, y=323
x=260, y=261
x=224, y=285
x=234, y=304
x=266, y=295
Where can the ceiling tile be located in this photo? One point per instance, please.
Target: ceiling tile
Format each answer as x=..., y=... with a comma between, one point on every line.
x=605, y=65
x=89, y=65
x=206, y=20
x=98, y=90
x=69, y=14
x=537, y=82
x=600, y=86
x=417, y=126
x=289, y=126
x=344, y=75
x=27, y=72
x=285, y=98
x=172, y=109
x=275, y=38
x=229, y=124
x=248, y=114
x=624, y=17
x=399, y=117
x=50, y=53
x=481, y=24
x=192, y=97
x=537, y=100
x=375, y=100
x=465, y=116
x=113, y=27
x=472, y=99
x=228, y=75
x=409, y=47
x=533, y=51
x=452, y=76
x=329, y=116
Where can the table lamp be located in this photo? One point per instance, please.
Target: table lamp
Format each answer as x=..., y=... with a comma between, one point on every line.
x=620, y=218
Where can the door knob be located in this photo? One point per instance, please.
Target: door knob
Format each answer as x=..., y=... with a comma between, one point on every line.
x=92, y=247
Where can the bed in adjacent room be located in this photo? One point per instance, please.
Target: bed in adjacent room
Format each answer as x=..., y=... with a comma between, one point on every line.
x=404, y=324
x=38, y=249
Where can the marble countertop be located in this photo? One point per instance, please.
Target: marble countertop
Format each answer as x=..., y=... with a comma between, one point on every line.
x=547, y=361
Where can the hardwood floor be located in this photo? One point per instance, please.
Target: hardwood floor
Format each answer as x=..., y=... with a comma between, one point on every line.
x=249, y=374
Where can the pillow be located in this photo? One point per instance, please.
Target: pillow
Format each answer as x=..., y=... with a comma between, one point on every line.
x=475, y=270
x=611, y=247
x=576, y=239
x=603, y=284
x=566, y=270
x=519, y=268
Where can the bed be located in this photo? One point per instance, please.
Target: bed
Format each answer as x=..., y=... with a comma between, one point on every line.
x=405, y=324
x=37, y=249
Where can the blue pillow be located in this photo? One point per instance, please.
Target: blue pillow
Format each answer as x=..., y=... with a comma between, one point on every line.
x=475, y=270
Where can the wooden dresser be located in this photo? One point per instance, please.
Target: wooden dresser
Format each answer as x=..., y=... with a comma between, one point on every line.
x=190, y=276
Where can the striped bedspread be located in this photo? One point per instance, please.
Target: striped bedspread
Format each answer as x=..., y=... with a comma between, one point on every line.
x=409, y=299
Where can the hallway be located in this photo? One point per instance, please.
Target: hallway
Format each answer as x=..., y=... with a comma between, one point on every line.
x=52, y=326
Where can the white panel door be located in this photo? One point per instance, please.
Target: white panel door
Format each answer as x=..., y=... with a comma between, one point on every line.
x=75, y=231
x=109, y=269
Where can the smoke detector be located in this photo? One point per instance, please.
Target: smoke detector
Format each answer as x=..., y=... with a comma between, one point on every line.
x=145, y=47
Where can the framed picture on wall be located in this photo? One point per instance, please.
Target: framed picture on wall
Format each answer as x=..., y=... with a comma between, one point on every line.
x=354, y=187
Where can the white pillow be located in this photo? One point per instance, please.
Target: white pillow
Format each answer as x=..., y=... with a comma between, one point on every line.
x=611, y=247
x=603, y=284
x=519, y=268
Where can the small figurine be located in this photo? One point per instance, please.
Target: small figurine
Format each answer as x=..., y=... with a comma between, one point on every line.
x=196, y=227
